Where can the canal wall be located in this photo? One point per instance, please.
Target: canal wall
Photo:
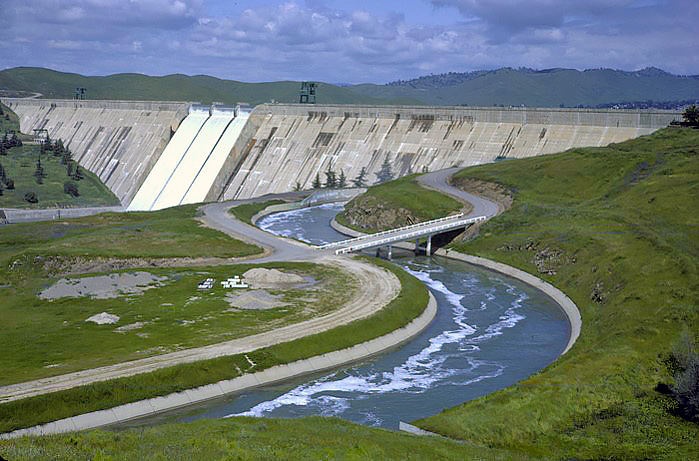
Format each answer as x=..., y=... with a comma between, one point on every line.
x=119, y=141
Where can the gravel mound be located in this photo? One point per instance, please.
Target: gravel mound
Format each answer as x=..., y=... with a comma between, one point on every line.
x=270, y=278
x=103, y=318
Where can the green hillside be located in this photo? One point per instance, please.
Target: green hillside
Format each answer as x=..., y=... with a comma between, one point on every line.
x=550, y=88
x=615, y=228
x=506, y=86
x=177, y=87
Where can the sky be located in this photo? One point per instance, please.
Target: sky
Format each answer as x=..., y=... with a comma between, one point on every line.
x=336, y=41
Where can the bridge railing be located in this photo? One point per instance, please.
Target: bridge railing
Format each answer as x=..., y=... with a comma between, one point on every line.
x=331, y=245
x=411, y=235
x=348, y=246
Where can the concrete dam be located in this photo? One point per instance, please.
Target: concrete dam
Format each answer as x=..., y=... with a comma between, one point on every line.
x=156, y=155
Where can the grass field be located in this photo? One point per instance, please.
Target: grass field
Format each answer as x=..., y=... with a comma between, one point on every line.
x=395, y=203
x=246, y=212
x=245, y=439
x=20, y=165
x=616, y=229
x=410, y=303
x=44, y=337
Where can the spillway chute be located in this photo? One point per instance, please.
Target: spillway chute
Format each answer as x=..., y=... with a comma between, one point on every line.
x=168, y=161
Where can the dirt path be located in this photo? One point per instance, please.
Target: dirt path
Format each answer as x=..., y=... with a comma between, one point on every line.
x=379, y=287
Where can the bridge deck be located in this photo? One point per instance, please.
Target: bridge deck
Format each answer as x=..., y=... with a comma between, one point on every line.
x=411, y=232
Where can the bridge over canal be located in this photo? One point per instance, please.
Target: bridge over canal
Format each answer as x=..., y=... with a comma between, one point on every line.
x=413, y=231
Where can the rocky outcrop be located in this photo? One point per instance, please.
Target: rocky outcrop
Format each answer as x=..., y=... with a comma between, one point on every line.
x=369, y=214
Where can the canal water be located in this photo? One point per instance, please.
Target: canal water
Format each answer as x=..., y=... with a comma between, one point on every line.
x=490, y=332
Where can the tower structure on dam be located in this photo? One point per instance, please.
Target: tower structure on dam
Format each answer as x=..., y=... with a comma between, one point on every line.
x=221, y=153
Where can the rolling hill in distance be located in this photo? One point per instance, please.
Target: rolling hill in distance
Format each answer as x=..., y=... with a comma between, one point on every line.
x=505, y=86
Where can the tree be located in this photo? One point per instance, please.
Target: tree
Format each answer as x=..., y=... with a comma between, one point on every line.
x=385, y=173
x=342, y=180
x=297, y=186
x=691, y=115
x=66, y=157
x=78, y=174
x=316, y=182
x=70, y=188
x=330, y=179
x=3, y=149
x=39, y=172
x=16, y=142
x=360, y=180
x=10, y=184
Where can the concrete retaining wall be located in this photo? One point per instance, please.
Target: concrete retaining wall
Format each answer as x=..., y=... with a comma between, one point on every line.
x=119, y=141
x=271, y=375
x=295, y=142
x=16, y=215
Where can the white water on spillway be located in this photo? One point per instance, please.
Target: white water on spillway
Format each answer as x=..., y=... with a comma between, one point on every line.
x=189, y=165
x=490, y=332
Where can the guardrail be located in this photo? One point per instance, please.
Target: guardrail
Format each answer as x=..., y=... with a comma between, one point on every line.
x=416, y=231
x=332, y=245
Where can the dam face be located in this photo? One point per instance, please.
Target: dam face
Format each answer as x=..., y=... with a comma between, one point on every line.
x=219, y=153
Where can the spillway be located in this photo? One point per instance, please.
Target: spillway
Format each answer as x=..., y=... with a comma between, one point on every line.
x=169, y=160
x=193, y=161
x=203, y=183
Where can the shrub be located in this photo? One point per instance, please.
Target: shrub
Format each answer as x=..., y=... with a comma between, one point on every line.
x=31, y=197
x=70, y=188
x=686, y=387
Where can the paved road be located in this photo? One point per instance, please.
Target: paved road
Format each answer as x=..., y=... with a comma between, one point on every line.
x=276, y=248
x=438, y=180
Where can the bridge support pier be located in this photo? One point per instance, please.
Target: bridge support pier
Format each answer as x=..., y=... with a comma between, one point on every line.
x=428, y=250
x=390, y=252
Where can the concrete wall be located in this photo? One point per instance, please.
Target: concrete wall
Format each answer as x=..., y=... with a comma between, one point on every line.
x=119, y=141
x=295, y=142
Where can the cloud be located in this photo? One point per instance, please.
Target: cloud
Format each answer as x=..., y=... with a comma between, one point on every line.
x=342, y=42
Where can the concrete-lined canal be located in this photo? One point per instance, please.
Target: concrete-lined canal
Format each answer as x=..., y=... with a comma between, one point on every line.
x=490, y=332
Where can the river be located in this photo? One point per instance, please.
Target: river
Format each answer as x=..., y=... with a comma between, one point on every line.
x=490, y=332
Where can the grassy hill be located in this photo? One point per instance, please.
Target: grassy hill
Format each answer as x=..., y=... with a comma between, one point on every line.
x=177, y=87
x=616, y=229
x=506, y=86
x=549, y=88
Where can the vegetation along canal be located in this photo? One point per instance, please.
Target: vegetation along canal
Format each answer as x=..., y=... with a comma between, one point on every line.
x=490, y=332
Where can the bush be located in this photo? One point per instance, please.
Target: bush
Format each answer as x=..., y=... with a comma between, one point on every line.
x=70, y=188
x=31, y=197
x=686, y=387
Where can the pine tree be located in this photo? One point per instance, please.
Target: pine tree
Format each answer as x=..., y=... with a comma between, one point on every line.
x=78, y=175
x=316, y=182
x=15, y=141
x=385, y=173
x=360, y=180
x=39, y=172
x=297, y=186
x=342, y=181
x=330, y=179
x=3, y=149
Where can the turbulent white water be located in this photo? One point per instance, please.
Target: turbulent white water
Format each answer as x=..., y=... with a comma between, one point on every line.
x=429, y=367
